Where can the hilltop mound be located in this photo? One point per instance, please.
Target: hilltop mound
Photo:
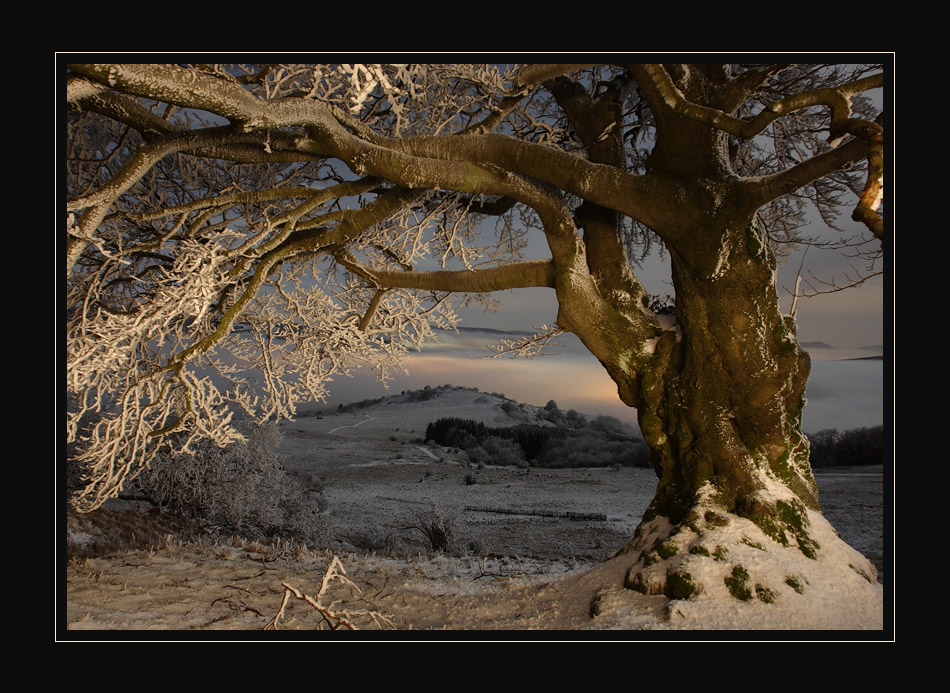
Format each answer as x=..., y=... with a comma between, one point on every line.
x=443, y=395
x=491, y=409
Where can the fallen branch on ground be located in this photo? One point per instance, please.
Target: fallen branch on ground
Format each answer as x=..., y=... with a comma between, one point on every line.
x=333, y=619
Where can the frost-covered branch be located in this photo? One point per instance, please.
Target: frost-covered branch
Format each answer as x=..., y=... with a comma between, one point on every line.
x=528, y=346
x=509, y=276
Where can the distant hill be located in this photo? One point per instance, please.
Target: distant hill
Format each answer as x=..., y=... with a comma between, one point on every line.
x=824, y=346
x=490, y=331
x=492, y=408
x=578, y=439
x=815, y=345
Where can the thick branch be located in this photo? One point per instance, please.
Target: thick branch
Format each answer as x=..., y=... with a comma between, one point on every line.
x=92, y=96
x=597, y=123
x=870, y=199
x=178, y=85
x=517, y=275
x=194, y=89
x=535, y=74
x=501, y=156
x=433, y=169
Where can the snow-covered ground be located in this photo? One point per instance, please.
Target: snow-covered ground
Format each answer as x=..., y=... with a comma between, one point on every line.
x=529, y=549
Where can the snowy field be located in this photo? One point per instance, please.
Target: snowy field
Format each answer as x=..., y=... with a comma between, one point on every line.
x=528, y=546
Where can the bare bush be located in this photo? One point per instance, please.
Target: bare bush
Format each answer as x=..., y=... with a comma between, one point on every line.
x=241, y=488
x=438, y=529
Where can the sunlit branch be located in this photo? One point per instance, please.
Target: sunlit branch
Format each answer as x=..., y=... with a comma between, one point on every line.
x=495, y=154
x=533, y=273
x=371, y=310
x=177, y=85
x=870, y=199
x=535, y=74
x=93, y=96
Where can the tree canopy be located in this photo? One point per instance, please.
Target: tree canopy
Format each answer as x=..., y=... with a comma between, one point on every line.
x=239, y=235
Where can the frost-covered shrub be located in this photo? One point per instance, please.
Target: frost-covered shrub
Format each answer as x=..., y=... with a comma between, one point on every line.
x=497, y=450
x=240, y=488
x=593, y=448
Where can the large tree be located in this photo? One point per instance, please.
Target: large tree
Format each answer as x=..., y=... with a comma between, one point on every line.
x=294, y=221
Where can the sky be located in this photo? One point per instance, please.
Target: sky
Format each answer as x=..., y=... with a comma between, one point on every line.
x=842, y=393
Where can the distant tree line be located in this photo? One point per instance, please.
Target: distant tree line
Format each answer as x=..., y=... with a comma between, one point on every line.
x=575, y=442
x=830, y=447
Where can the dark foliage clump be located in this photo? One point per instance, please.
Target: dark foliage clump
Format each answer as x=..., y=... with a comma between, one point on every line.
x=572, y=442
x=456, y=433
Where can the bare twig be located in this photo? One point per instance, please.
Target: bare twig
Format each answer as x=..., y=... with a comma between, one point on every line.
x=333, y=619
x=528, y=346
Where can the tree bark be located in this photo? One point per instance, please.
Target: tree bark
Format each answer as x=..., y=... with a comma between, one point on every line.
x=719, y=401
x=725, y=402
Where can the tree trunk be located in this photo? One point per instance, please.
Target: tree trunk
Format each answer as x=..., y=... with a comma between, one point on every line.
x=726, y=405
x=719, y=395
x=720, y=407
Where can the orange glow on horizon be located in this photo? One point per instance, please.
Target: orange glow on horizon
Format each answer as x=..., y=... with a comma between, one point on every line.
x=572, y=382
